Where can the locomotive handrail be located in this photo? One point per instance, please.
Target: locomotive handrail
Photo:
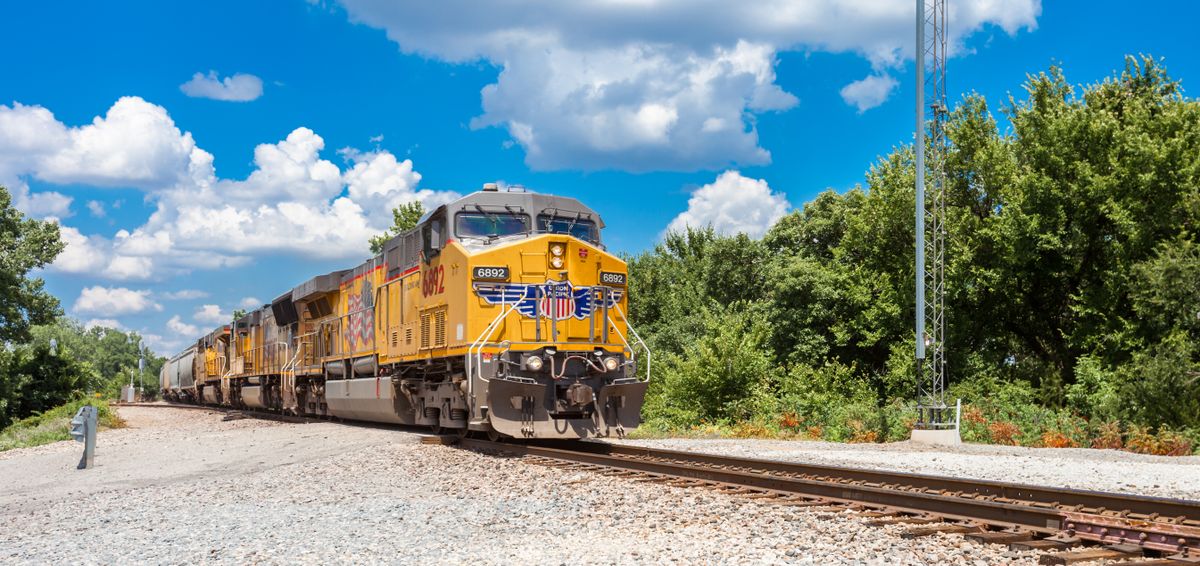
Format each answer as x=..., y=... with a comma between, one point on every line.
x=634, y=333
x=478, y=345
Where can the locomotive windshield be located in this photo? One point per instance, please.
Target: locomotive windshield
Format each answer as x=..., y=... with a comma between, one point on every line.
x=490, y=224
x=581, y=228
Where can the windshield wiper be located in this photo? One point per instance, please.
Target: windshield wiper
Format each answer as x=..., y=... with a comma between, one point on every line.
x=573, y=222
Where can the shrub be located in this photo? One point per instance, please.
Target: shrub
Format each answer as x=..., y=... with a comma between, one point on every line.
x=1165, y=442
x=1056, y=439
x=1108, y=436
x=1004, y=433
x=723, y=376
x=859, y=433
x=54, y=425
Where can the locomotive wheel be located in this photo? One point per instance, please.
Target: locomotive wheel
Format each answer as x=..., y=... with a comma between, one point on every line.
x=436, y=428
x=493, y=434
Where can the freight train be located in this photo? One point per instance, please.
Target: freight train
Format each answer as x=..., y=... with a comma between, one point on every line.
x=500, y=313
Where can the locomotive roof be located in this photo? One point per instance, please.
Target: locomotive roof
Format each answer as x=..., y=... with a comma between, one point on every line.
x=528, y=202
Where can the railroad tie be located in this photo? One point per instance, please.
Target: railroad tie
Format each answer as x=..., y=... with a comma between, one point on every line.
x=1045, y=544
x=948, y=528
x=766, y=495
x=876, y=514
x=1086, y=555
x=999, y=537
x=885, y=521
x=799, y=502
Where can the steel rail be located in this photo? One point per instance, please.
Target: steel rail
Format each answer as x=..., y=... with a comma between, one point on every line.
x=1162, y=524
x=1063, y=497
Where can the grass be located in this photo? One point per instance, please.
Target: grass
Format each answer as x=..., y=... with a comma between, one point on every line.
x=54, y=425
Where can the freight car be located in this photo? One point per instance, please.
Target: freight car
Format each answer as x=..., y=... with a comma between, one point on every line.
x=501, y=313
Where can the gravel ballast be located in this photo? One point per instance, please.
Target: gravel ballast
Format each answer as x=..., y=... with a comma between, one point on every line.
x=1078, y=468
x=184, y=486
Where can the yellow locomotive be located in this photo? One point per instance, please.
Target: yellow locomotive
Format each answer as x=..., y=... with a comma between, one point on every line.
x=500, y=312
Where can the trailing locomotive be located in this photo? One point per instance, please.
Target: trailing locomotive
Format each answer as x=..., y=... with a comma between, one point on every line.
x=500, y=312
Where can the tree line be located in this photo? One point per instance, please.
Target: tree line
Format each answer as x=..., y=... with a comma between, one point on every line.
x=48, y=359
x=1073, y=279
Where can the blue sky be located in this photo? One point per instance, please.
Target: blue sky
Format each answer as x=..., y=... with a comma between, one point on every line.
x=658, y=113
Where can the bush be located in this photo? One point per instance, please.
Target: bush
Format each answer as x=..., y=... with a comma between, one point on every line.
x=1160, y=386
x=722, y=377
x=32, y=381
x=54, y=425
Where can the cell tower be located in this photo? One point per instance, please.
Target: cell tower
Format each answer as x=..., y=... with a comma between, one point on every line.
x=931, y=215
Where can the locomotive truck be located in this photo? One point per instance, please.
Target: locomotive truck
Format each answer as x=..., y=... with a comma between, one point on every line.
x=500, y=313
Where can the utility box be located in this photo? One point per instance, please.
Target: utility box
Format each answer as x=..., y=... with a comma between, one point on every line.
x=128, y=394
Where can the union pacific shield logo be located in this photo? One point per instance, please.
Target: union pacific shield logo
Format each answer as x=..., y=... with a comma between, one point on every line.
x=555, y=300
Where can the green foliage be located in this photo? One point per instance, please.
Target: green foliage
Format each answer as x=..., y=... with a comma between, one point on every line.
x=86, y=361
x=1073, y=281
x=717, y=378
x=404, y=218
x=25, y=244
x=33, y=380
x=1161, y=384
x=54, y=425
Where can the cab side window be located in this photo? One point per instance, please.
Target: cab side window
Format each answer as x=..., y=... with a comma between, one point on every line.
x=433, y=236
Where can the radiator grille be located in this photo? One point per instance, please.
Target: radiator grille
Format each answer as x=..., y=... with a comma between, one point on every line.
x=425, y=334
x=433, y=328
x=439, y=328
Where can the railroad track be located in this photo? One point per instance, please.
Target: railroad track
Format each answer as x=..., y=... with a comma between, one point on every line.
x=1116, y=526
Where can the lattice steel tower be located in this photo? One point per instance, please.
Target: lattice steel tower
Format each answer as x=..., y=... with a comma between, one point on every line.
x=931, y=214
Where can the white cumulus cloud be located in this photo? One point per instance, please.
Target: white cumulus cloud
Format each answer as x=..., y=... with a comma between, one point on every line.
x=114, y=301
x=293, y=201
x=237, y=88
x=184, y=294
x=654, y=84
x=42, y=204
x=102, y=323
x=179, y=327
x=212, y=314
x=869, y=92
x=733, y=204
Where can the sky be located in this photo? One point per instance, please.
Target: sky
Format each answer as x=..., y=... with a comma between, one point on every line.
x=201, y=158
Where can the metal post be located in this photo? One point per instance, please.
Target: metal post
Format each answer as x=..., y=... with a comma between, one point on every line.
x=930, y=216
x=920, y=201
x=83, y=429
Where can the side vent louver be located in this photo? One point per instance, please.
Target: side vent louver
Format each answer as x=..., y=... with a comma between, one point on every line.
x=439, y=328
x=425, y=334
x=433, y=328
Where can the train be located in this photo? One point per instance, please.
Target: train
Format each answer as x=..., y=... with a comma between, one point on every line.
x=499, y=314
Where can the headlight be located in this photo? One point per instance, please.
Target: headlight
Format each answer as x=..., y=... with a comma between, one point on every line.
x=533, y=363
x=556, y=250
x=556, y=262
x=611, y=364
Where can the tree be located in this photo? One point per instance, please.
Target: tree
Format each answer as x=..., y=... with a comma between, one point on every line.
x=111, y=352
x=1072, y=267
x=404, y=218
x=25, y=244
